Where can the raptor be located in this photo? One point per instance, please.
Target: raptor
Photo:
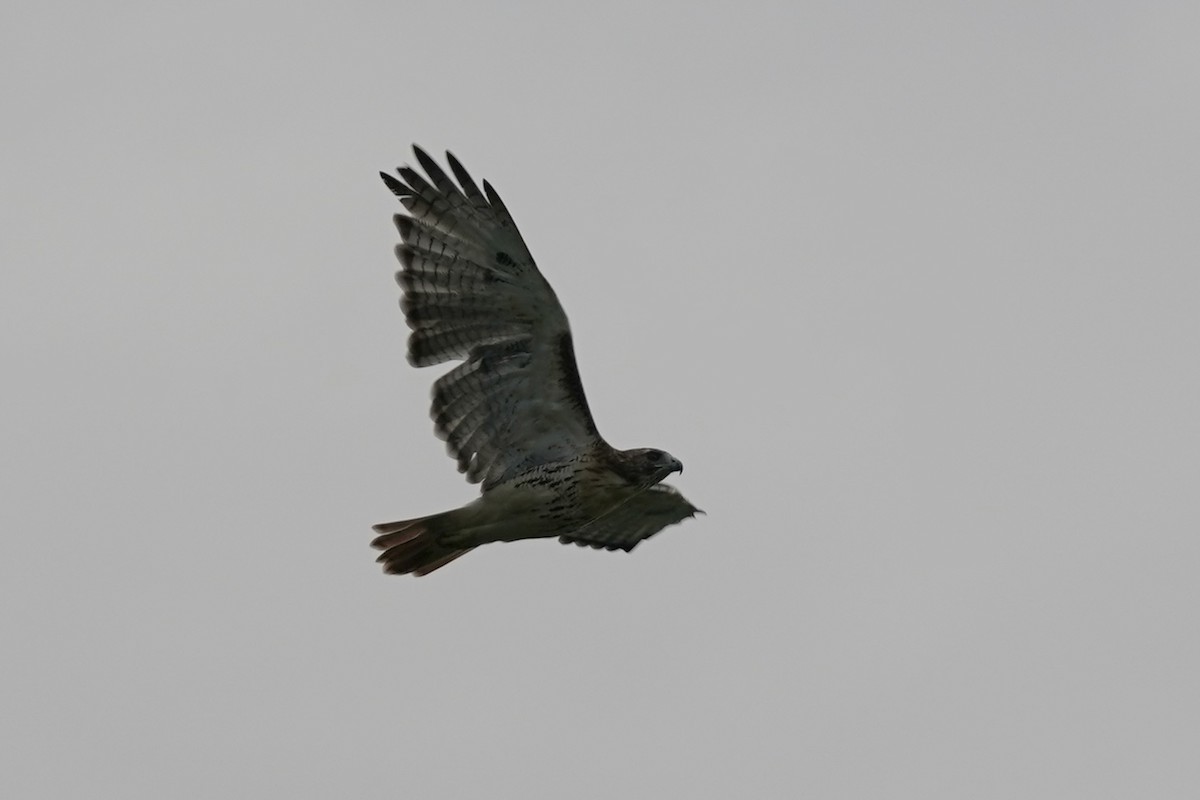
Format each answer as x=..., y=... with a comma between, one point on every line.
x=513, y=412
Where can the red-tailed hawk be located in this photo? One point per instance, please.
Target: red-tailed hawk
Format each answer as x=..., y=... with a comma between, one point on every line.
x=513, y=413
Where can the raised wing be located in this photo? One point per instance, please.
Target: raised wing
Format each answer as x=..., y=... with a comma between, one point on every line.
x=640, y=517
x=473, y=293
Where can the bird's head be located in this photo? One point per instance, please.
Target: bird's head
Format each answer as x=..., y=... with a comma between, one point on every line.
x=648, y=466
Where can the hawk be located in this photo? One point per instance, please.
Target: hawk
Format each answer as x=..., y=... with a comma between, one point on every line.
x=513, y=413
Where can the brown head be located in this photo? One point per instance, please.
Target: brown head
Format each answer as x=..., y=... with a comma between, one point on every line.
x=645, y=466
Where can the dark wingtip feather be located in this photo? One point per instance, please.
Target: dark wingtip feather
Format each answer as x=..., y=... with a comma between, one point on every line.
x=492, y=195
x=395, y=186
x=431, y=168
x=404, y=254
x=419, y=354
x=415, y=180
x=404, y=224
x=441, y=426
x=406, y=280
x=464, y=179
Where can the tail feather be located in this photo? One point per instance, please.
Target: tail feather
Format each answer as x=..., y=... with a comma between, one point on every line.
x=412, y=547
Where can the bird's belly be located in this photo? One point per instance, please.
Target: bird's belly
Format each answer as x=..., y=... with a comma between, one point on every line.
x=540, y=504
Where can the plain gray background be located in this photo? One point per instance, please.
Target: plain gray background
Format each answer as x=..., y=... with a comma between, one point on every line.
x=911, y=289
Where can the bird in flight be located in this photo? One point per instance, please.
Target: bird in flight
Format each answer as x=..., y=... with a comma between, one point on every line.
x=513, y=413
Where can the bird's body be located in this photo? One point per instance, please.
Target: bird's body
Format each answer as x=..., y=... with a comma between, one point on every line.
x=513, y=414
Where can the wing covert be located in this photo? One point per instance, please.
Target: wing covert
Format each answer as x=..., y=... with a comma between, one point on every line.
x=635, y=520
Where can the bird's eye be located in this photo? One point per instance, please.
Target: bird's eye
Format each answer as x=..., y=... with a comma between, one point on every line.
x=654, y=456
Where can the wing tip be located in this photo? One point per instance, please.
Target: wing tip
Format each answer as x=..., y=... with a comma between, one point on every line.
x=492, y=195
x=405, y=255
x=435, y=172
x=404, y=224
x=395, y=186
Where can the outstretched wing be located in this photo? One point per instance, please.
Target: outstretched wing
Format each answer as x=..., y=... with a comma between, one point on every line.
x=640, y=517
x=473, y=293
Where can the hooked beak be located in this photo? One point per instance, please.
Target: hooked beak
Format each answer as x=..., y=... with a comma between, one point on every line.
x=676, y=466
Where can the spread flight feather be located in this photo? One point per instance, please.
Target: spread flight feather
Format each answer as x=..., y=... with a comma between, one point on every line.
x=513, y=414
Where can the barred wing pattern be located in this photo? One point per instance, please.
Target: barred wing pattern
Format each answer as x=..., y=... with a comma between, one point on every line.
x=473, y=293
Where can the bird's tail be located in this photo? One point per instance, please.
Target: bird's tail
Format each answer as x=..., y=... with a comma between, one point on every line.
x=411, y=546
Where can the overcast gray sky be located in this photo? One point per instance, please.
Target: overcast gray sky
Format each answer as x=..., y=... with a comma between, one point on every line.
x=911, y=288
